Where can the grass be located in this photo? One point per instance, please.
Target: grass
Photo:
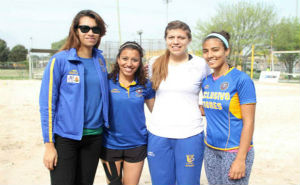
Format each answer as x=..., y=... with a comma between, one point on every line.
x=13, y=74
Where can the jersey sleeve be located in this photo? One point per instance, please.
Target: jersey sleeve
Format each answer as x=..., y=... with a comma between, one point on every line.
x=246, y=90
x=150, y=93
x=48, y=98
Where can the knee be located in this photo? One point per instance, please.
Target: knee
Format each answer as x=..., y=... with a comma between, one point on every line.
x=113, y=176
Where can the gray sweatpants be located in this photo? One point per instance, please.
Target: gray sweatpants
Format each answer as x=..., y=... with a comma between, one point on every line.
x=217, y=165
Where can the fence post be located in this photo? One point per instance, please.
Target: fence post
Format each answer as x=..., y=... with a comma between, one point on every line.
x=30, y=65
x=252, y=61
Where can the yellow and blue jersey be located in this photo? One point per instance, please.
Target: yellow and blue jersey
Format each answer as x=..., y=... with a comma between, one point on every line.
x=221, y=101
x=126, y=116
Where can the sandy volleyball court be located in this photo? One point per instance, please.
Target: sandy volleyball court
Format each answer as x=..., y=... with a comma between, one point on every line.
x=276, y=138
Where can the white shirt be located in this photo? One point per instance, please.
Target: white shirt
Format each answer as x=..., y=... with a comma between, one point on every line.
x=176, y=112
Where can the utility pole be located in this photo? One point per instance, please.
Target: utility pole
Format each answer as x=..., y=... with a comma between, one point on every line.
x=297, y=6
x=140, y=32
x=167, y=3
x=118, y=12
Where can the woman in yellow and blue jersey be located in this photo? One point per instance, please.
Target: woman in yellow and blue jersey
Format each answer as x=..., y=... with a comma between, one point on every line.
x=125, y=141
x=74, y=103
x=229, y=101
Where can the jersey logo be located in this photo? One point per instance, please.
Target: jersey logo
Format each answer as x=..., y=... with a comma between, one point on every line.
x=151, y=154
x=73, y=72
x=206, y=87
x=224, y=86
x=115, y=91
x=190, y=160
x=73, y=79
x=139, y=92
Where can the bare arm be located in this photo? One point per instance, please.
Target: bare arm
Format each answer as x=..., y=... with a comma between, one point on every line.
x=238, y=167
x=146, y=70
x=150, y=103
x=202, y=110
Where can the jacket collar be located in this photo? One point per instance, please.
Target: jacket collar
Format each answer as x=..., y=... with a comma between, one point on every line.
x=73, y=57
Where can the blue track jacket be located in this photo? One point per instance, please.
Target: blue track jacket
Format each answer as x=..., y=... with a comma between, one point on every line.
x=62, y=95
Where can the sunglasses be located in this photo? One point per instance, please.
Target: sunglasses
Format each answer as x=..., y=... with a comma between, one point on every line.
x=85, y=29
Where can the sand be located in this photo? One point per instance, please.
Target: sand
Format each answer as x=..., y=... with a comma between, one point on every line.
x=276, y=137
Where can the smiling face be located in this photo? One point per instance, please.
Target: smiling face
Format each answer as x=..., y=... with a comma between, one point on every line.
x=177, y=41
x=89, y=39
x=129, y=62
x=214, y=53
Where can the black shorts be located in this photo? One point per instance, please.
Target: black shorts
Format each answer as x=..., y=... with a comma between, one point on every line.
x=131, y=155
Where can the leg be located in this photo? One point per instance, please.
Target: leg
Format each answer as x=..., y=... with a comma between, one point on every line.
x=132, y=172
x=113, y=171
x=188, y=158
x=113, y=164
x=227, y=160
x=133, y=164
x=161, y=160
x=88, y=159
x=65, y=171
x=212, y=164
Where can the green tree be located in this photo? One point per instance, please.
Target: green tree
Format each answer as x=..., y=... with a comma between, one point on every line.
x=4, y=51
x=286, y=37
x=18, y=53
x=57, y=45
x=247, y=23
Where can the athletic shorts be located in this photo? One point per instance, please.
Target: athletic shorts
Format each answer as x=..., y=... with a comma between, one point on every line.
x=131, y=155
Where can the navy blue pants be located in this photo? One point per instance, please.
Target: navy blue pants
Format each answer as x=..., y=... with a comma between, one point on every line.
x=77, y=160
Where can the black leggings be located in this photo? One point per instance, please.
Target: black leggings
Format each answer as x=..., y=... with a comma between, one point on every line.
x=77, y=160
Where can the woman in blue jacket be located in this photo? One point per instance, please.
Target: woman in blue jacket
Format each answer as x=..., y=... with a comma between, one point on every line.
x=74, y=103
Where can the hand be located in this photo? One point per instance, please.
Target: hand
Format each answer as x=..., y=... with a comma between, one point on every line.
x=50, y=156
x=237, y=169
x=146, y=69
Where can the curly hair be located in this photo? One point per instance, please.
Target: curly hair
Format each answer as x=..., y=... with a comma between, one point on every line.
x=140, y=73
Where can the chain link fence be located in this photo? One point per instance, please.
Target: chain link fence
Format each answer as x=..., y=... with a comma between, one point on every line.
x=38, y=59
x=152, y=47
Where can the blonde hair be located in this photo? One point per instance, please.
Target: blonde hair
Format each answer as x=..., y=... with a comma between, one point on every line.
x=160, y=66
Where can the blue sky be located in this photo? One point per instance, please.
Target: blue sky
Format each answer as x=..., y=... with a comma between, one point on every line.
x=49, y=21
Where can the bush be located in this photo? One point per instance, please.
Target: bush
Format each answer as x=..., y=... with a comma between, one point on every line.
x=14, y=65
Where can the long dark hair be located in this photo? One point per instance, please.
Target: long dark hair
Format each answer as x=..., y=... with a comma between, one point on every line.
x=73, y=39
x=140, y=73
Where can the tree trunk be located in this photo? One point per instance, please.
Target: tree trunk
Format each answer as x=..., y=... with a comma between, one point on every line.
x=290, y=68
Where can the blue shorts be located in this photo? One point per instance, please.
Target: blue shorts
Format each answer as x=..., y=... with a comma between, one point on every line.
x=175, y=161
